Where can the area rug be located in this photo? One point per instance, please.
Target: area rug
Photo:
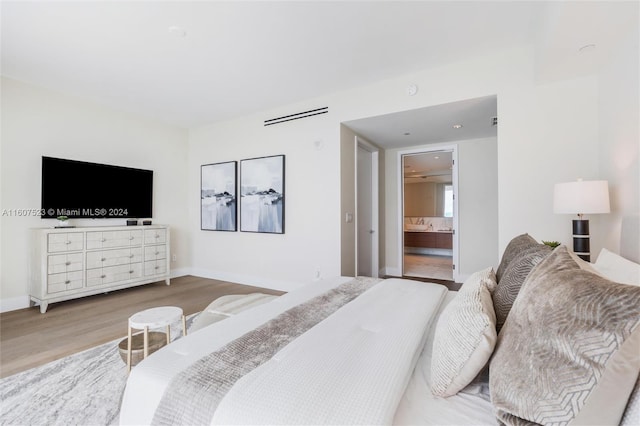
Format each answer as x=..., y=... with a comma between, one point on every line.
x=82, y=389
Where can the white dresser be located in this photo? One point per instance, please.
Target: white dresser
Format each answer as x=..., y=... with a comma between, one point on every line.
x=67, y=263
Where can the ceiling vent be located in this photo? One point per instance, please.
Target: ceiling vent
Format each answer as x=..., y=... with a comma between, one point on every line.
x=494, y=121
x=296, y=116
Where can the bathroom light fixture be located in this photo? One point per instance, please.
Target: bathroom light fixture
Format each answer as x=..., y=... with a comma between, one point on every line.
x=581, y=197
x=457, y=126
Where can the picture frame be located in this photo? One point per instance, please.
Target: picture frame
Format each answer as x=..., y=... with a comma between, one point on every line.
x=218, y=196
x=262, y=194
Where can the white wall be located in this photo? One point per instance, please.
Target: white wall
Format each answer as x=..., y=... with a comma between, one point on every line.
x=37, y=122
x=311, y=241
x=619, y=136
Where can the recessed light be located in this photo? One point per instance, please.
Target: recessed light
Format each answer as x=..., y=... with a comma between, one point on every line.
x=176, y=31
x=436, y=157
x=457, y=126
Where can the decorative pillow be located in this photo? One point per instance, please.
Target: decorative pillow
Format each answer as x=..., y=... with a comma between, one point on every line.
x=515, y=247
x=617, y=268
x=631, y=416
x=513, y=278
x=568, y=353
x=465, y=335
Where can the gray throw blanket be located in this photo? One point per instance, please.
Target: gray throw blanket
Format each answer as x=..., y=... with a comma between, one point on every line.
x=194, y=394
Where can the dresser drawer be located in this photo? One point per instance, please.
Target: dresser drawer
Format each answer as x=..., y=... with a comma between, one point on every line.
x=155, y=267
x=63, y=282
x=155, y=252
x=104, y=258
x=111, y=239
x=59, y=263
x=155, y=236
x=71, y=241
x=112, y=274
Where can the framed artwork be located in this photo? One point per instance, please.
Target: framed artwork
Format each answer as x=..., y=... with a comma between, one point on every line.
x=262, y=195
x=218, y=196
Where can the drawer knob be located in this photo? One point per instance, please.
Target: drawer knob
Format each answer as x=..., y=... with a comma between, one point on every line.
x=157, y=267
x=157, y=253
x=68, y=242
x=131, y=238
x=67, y=281
x=103, y=276
x=130, y=256
x=103, y=259
x=68, y=263
x=131, y=271
x=103, y=240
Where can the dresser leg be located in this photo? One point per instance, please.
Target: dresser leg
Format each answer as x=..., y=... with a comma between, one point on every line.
x=43, y=307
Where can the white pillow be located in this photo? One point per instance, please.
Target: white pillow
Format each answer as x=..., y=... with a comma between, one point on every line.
x=465, y=335
x=617, y=268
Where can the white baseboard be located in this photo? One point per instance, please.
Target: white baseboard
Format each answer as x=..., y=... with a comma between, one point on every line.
x=179, y=272
x=14, y=303
x=391, y=272
x=270, y=283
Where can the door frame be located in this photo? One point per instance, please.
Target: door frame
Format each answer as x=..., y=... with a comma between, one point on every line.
x=375, y=203
x=456, y=212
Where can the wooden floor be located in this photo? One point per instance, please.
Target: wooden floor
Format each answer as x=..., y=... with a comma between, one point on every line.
x=29, y=339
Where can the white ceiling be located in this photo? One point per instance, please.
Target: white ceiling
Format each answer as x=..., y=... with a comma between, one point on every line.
x=431, y=124
x=243, y=57
x=428, y=167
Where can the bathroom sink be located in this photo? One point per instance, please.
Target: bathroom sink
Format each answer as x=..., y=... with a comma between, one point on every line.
x=412, y=227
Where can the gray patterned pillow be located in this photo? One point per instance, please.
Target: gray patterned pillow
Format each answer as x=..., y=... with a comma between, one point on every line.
x=631, y=415
x=513, y=278
x=568, y=353
x=515, y=246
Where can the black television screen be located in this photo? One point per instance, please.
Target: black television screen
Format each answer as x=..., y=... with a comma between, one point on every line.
x=78, y=189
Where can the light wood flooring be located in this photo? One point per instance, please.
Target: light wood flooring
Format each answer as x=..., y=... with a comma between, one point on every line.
x=29, y=339
x=428, y=266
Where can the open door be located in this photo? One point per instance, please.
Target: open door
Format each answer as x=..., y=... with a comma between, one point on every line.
x=429, y=222
x=366, y=209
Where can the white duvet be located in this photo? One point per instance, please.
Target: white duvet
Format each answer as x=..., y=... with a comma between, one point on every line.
x=351, y=368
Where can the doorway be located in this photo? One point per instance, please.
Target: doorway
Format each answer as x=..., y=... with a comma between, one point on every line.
x=429, y=187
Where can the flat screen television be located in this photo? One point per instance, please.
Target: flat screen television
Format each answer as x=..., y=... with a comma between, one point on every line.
x=79, y=189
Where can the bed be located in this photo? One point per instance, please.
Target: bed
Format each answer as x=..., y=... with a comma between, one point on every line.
x=368, y=351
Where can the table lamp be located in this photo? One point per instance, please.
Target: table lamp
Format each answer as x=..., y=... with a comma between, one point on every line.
x=581, y=197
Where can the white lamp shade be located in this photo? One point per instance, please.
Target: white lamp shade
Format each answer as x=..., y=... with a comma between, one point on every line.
x=581, y=197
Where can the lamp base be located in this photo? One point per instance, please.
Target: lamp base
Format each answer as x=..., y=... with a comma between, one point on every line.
x=581, y=245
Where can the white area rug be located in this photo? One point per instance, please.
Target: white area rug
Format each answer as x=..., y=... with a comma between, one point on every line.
x=86, y=388
x=82, y=389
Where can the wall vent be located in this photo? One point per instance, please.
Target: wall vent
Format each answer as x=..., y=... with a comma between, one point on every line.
x=494, y=121
x=296, y=116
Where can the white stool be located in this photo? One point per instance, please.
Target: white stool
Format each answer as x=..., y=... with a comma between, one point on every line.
x=153, y=318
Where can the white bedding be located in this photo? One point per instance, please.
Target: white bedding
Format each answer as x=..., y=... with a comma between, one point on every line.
x=150, y=378
x=352, y=368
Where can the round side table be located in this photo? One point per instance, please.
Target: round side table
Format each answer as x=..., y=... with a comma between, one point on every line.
x=163, y=316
